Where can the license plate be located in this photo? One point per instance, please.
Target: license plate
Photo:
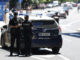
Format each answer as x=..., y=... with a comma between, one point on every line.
x=44, y=34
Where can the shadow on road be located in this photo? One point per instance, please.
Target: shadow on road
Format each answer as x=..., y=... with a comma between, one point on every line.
x=41, y=52
x=77, y=34
x=35, y=52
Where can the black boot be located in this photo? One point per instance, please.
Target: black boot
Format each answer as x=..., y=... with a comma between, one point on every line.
x=11, y=54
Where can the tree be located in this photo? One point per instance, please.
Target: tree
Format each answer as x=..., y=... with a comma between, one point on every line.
x=12, y=3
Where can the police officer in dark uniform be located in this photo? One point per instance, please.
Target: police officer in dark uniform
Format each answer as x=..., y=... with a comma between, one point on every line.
x=27, y=27
x=14, y=26
x=56, y=17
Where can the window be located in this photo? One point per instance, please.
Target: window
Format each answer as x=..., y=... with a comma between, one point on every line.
x=44, y=24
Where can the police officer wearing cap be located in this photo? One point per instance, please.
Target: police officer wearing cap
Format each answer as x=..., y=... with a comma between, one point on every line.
x=14, y=26
x=56, y=17
x=27, y=27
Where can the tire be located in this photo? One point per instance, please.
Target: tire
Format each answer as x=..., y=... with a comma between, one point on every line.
x=55, y=50
x=35, y=49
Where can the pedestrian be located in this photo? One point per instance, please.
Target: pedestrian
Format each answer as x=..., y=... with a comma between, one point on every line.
x=6, y=15
x=78, y=8
x=28, y=10
x=13, y=24
x=56, y=17
x=66, y=9
x=27, y=27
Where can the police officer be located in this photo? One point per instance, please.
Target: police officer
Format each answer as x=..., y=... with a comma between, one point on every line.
x=56, y=17
x=27, y=27
x=13, y=24
x=78, y=8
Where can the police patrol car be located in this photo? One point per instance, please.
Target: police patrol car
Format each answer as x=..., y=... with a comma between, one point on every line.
x=46, y=33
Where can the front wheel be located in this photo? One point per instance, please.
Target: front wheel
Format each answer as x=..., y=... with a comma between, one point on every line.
x=55, y=50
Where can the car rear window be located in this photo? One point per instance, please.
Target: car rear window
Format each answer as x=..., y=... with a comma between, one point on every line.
x=44, y=24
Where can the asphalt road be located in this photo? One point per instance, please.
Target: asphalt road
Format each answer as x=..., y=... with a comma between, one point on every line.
x=71, y=43
x=71, y=36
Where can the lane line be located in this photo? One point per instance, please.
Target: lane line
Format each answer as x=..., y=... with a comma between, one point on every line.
x=65, y=58
x=38, y=58
x=47, y=56
x=0, y=46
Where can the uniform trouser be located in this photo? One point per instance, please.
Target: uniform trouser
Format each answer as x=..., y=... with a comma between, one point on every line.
x=57, y=20
x=67, y=12
x=28, y=41
x=14, y=37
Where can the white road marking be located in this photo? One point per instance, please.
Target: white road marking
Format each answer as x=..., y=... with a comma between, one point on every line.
x=47, y=56
x=43, y=57
x=0, y=46
x=65, y=58
x=38, y=58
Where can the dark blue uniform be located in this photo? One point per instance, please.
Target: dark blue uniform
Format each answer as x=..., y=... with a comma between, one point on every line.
x=14, y=35
x=27, y=27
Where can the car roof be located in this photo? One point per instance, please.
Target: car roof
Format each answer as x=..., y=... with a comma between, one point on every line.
x=41, y=18
x=31, y=18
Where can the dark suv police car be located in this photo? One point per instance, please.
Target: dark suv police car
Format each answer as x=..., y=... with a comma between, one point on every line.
x=46, y=34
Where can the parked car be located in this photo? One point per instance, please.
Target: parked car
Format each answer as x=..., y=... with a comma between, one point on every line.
x=46, y=34
x=50, y=5
x=50, y=13
x=74, y=4
x=61, y=13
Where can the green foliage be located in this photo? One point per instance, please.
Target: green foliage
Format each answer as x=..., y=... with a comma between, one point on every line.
x=12, y=3
x=47, y=1
x=41, y=1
